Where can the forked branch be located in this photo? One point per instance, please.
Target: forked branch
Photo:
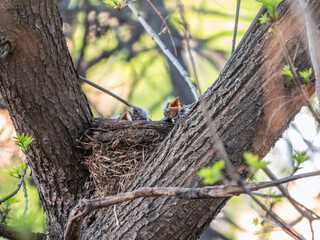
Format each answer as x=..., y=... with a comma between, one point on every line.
x=86, y=206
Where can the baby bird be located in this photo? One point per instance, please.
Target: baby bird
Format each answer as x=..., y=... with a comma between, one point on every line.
x=126, y=117
x=186, y=108
x=139, y=114
x=171, y=110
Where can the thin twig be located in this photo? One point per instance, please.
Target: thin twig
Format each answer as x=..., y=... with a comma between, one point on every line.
x=307, y=213
x=166, y=26
x=235, y=27
x=106, y=91
x=187, y=38
x=267, y=195
x=259, y=213
x=86, y=206
x=165, y=50
x=250, y=29
x=19, y=184
x=311, y=228
x=25, y=193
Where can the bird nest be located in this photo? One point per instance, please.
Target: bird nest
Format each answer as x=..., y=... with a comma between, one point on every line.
x=116, y=150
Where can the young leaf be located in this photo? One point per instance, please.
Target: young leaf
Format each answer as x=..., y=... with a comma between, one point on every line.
x=306, y=75
x=300, y=157
x=264, y=18
x=212, y=174
x=255, y=221
x=112, y=3
x=271, y=5
x=254, y=162
x=287, y=72
x=23, y=141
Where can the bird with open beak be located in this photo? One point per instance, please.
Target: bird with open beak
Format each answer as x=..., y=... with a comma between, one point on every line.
x=171, y=110
x=186, y=108
x=126, y=117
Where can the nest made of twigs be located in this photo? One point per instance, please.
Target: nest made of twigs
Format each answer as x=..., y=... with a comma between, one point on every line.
x=118, y=149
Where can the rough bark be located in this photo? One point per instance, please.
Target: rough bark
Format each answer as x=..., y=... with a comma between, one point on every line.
x=251, y=104
x=44, y=99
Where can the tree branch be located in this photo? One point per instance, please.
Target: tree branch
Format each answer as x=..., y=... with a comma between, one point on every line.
x=85, y=206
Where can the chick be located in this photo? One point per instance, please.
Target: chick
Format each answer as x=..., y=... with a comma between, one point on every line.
x=126, y=116
x=171, y=110
x=186, y=108
x=139, y=114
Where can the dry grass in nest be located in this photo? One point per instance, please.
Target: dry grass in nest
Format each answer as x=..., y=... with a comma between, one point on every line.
x=118, y=149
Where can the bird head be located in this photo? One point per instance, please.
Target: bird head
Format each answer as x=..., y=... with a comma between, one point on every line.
x=126, y=116
x=171, y=110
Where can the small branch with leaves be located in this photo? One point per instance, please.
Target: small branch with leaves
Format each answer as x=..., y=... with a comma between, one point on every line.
x=23, y=141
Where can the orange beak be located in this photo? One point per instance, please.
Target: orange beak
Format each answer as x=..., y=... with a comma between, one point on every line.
x=175, y=103
x=192, y=105
x=126, y=117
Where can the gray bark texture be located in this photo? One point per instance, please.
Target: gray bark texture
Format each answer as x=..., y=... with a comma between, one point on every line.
x=44, y=99
x=251, y=104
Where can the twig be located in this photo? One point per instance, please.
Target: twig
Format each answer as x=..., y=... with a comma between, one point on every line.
x=250, y=29
x=165, y=50
x=235, y=27
x=259, y=213
x=311, y=44
x=309, y=214
x=267, y=195
x=86, y=206
x=19, y=184
x=166, y=25
x=25, y=193
x=282, y=224
x=106, y=91
x=311, y=228
x=187, y=37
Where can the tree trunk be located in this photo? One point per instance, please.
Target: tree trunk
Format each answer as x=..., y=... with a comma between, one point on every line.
x=251, y=104
x=44, y=99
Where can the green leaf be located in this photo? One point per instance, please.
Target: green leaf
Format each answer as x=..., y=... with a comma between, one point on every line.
x=287, y=72
x=254, y=161
x=112, y=3
x=23, y=141
x=306, y=75
x=264, y=18
x=271, y=5
x=275, y=200
x=11, y=173
x=300, y=157
x=255, y=221
x=212, y=174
